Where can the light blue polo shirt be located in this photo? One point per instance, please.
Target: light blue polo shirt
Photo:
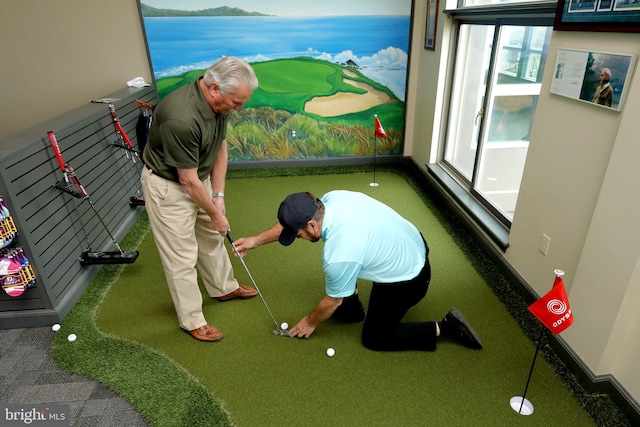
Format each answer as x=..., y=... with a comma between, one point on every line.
x=366, y=239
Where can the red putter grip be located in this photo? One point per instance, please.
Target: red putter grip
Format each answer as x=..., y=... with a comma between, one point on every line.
x=56, y=149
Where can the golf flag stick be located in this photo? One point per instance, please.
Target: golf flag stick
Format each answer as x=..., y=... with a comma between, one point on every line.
x=277, y=330
x=555, y=314
x=378, y=132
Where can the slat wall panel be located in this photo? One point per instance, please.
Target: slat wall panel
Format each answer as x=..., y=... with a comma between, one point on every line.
x=51, y=222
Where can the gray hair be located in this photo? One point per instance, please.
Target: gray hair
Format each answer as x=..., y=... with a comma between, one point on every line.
x=229, y=72
x=319, y=207
x=607, y=71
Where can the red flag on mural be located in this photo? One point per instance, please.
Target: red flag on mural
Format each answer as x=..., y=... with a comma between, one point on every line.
x=380, y=133
x=553, y=309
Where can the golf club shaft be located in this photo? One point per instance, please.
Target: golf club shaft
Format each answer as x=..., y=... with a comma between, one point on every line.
x=233, y=245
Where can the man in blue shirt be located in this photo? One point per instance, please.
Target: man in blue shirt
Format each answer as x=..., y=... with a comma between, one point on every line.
x=364, y=238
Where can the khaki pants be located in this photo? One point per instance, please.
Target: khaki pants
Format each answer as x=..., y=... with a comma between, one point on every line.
x=185, y=239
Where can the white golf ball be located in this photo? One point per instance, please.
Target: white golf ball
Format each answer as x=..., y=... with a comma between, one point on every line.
x=284, y=326
x=331, y=352
x=71, y=337
x=56, y=327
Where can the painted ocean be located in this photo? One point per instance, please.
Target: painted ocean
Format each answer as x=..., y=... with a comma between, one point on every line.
x=378, y=44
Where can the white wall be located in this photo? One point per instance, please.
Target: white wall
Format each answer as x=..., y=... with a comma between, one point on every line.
x=580, y=188
x=58, y=55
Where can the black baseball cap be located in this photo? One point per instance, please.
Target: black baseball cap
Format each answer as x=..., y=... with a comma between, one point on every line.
x=294, y=213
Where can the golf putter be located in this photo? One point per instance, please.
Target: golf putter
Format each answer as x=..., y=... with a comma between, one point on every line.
x=277, y=331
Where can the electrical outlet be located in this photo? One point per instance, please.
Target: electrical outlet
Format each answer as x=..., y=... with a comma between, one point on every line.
x=545, y=241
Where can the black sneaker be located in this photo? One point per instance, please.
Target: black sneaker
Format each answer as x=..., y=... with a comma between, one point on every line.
x=350, y=311
x=456, y=326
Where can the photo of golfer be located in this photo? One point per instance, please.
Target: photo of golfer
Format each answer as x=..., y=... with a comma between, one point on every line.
x=595, y=77
x=604, y=91
x=604, y=79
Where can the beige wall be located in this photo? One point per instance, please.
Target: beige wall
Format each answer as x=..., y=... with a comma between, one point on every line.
x=579, y=188
x=58, y=55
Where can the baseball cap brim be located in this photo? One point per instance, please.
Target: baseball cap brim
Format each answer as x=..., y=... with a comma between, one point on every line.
x=287, y=236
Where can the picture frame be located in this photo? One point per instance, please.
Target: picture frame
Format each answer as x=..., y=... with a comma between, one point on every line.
x=598, y=15
x=597, y=78
x=431, y=25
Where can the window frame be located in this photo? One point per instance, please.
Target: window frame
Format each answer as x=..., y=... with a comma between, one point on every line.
x=457, y=186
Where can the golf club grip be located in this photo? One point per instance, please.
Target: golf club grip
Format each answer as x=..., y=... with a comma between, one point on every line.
x=56, y=149
x=229, y=238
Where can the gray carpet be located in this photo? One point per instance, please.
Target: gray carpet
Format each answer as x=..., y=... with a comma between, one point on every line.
x=29, y=377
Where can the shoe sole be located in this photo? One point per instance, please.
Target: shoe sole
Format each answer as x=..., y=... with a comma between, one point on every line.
x=234, y=297
x=196, y=338
x=460, y=318
x=223, y=298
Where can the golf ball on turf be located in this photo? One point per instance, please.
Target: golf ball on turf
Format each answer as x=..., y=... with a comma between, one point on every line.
x=56, y=327
x=331, y=352
x=284, y=326
x=71, y=337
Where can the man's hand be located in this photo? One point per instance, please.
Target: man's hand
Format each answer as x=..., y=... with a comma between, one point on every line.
x=303, y=329
x=220, y=224
x=244, y=244
x=195, y=188
x=322, y=312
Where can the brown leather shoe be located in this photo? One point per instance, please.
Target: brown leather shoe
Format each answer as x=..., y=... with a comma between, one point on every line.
x=207, y=333
x=243, y=292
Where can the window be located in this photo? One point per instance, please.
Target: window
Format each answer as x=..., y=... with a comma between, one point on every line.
x=496, y=80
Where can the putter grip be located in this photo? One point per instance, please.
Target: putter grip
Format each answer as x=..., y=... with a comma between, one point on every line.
x=229, y=238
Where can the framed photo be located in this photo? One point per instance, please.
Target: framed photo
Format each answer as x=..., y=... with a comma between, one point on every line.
x=432, y=23
x=598, y=78
x=598, y=15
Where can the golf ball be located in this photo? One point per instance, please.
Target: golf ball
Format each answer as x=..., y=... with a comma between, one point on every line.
x=56, y=327
x=284, y=326
x=71, y=337
x=331, y=352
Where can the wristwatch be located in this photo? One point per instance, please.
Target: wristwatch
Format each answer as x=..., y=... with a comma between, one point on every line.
x=217, y=194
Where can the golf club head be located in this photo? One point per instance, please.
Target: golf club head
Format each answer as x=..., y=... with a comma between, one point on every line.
x=280, y=332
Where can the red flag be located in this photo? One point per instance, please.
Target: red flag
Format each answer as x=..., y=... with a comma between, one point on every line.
x=380, y=133
x=553, y=309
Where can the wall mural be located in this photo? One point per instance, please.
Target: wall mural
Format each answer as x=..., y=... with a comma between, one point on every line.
x=325, y=70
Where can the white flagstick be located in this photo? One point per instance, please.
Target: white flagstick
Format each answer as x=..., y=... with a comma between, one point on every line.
x=374, y=183
x=519, y=403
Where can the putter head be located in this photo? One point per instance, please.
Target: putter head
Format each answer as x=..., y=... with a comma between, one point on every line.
x=280, y=332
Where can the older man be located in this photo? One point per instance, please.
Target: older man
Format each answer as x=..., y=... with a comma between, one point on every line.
x=604, y=91
x=183, y=182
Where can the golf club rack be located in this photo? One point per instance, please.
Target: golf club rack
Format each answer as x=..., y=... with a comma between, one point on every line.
x=71, y=185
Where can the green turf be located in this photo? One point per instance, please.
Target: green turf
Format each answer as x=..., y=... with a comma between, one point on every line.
x=265, y=380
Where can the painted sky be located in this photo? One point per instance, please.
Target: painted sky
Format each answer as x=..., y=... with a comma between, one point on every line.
x=292, y=7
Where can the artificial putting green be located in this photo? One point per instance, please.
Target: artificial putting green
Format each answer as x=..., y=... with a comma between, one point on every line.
x=265, y=380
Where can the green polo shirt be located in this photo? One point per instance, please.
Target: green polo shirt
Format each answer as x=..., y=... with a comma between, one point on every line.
x=185, y=133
